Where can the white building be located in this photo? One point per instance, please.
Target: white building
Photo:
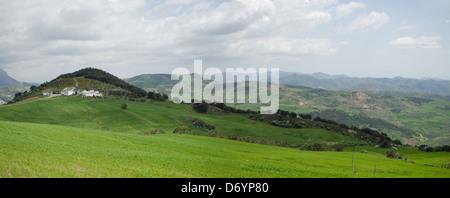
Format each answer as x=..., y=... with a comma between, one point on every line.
x=47, y=93
x=2, y=102
x=91, y=93
x=68, y=91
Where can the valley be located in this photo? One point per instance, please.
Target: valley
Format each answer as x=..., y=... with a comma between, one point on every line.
x=126, y=133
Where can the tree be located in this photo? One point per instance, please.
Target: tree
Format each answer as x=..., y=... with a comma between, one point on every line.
x=293, y=115
x=124, y=106
x=200, y=107
x=338, y=147
x=151, y=95
x=32, y=88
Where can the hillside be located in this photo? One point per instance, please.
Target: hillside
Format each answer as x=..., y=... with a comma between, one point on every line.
x=8, y=93
x=414, y=120
x=84, y=79
x=41, y=150
x=153, y=82
x=143, y=117
x=411, y=117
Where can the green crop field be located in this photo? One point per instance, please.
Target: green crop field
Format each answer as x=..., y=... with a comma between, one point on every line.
x=42, y=150
x=100, y=114
x=79, y=137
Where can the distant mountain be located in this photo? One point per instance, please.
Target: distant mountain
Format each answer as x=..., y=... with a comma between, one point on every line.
x=153, y=82
x=341, y=82
x=7, y=93
x=6, y=80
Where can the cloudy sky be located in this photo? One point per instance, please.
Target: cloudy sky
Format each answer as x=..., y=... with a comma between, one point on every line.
x=41, y=39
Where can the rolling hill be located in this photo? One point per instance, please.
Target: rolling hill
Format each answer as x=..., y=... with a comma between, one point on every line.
x=71, y=136
x=414, y=118
x=143, y=117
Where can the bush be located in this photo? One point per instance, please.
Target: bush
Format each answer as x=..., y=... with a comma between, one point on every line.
x=124, y=106
x=282, y=143
x=338, y=147
x=215, y=134
x=200, y=107
x=155, y=131
x=313, y=147
x=158, y=131
x=393, y=154
x=234, y=137
x=397, y=142
x=201, y=124
x=180, y=130
x=245, y=139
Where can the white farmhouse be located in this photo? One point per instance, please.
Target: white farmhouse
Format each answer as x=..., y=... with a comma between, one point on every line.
x=47, y=93
x=91, y=93
x=68, y=91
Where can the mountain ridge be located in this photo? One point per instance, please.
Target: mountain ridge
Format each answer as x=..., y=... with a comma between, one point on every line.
x=6, y=80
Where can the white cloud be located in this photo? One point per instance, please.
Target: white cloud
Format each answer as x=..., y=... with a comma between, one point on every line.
x=415, y=43
x=372, y=21
x=344, y=10
x=139, y=34
x=405, y=28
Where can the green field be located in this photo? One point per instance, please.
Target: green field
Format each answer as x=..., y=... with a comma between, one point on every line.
x=86, y=137
x=100, y=114
x=41, y=150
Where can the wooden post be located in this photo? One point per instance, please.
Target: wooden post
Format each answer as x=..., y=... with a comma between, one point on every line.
x=374, y=170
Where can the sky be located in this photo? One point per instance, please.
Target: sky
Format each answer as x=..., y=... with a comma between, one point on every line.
x=39, y=40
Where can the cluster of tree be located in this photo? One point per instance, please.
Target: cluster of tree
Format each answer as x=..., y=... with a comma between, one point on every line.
x=393, y=154
x=426, y=148
x=19, y=96
x=320, y=147
x=200, y=123
x=288, y=119
x=157, y=96
x=155, y=131
x=419, y=100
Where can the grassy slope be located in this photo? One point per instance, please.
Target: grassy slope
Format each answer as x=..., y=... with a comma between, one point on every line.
x=40, y=150
x=143, y=117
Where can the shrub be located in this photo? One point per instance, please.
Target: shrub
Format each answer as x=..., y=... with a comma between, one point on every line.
x=157, y=131
x=338, y=147
x=201, y=124
x=384, y=144
x=393, y=154
x=215, y=134
x=313, y=147
x=200, y=107
x=234, y=137
x=282, y=143
x=245, y=139
x=124, y=106
x=397, y=142
x=180, y=130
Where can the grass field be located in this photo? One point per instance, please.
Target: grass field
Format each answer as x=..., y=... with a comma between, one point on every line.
x=141, y=117
x=42, y=150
